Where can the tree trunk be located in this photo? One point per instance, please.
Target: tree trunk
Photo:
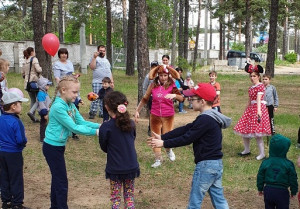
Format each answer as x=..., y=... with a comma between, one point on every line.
x=240, y=32
x=285, y=33
x=210, y=24
x=124, y=10
x=173, y=53
x=180, y=30
x=186, y=30
x=142, y=45
x=60, y=21
x=248, y=29
x=221, y=35
x=228, y=33
x=24, y=8
x=197, y=37
x=130, y=39
x=272, y=38
x=108, y=32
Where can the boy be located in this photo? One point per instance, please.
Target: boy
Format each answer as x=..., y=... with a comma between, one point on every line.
x=276, y=174
x=12, y=142
x=217, y=86
x=206, y=135
x=106, y=82
x=44, y=103
x=271, y=97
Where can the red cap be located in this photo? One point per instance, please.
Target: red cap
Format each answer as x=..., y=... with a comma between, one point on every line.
x=204, y=90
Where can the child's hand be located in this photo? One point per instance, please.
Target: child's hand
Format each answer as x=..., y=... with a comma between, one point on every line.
x=136, y=116
x=155, y=143
x=81, y=102
x=46, y=117
x=170, y=96
x=156, y=136
x=275, y=109
x=260, y=193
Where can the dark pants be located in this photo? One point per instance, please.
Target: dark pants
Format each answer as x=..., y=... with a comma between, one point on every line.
x=59, y=182
x=276, y=198
x=271, y=116
x=12, y=182
x=43, y=125
x=105, y=114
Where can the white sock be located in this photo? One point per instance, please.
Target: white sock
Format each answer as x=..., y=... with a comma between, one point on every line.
x=246, y=145
x=260, y=145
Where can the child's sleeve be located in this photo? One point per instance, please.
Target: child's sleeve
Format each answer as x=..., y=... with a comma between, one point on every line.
x=104, y=135
x=275, y=95
x=84, y=127
x=41, y=98
x=260, y=178
x=20, y=134
x=293, y=180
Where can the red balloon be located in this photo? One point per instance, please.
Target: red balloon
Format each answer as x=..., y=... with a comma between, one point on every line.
x=50, y=43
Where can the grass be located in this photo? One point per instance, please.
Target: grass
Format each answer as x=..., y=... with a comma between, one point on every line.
x=169, y=185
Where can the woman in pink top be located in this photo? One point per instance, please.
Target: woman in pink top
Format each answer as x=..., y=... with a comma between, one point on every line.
x=163, y=91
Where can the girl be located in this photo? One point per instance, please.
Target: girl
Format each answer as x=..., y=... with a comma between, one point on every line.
x=35, y=73
x=255, y=120
x=64, y=118
x=163, y=91
x=4, y=68
x=116, y=138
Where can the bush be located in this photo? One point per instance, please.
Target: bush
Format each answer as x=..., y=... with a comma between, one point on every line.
x=238, y=47
x=291, y=57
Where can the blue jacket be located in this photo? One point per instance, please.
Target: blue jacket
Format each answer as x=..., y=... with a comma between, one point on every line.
x=44, y=102
x=12, y=134
x=64, y=119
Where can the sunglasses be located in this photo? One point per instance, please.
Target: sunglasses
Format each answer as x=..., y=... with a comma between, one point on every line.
x=193, y=99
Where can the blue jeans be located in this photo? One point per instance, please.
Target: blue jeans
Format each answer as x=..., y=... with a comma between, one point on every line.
x=208, y=177
x=180, y=106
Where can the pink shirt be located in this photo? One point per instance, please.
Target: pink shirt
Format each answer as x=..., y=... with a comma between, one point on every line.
x=161, y=106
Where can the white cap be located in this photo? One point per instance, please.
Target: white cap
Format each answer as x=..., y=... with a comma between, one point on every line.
x=11, y=97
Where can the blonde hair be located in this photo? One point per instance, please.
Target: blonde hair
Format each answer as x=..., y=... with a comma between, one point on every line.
x=64, y=82
x=3, y=64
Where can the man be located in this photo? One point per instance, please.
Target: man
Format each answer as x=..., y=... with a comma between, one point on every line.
x=101, y=68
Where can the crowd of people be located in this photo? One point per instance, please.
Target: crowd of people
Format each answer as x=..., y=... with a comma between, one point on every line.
x=163, y=86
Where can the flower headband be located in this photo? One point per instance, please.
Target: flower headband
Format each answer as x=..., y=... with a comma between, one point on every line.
x=253, y=68
x=122, y=107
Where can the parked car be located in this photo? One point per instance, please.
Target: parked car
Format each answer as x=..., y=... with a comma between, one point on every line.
x=239, y=54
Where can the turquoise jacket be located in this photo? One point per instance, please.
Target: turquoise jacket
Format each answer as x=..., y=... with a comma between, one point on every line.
x=277, y=171
x=64, y=119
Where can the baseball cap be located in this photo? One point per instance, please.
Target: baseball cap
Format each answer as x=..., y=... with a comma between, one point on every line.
x=154, y=63
x=204, y=90
x=11, y=97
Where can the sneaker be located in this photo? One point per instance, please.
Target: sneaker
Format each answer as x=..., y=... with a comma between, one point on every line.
x=156, y=164
x=6, y=205
x=171, y=155
x=260, y=157
x=33, y=118
x=75, y=137
x=182, y=112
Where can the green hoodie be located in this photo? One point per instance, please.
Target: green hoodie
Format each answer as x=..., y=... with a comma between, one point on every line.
x=64, y=119
x=277, y=171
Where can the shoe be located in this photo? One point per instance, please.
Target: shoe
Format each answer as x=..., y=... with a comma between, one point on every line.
x=92, y=117
x=156, y=164
x=75, y=137
x=171, y=155
x=19, y=207
x=6, y=205
x=260, y=157
x=33, y=118
x=244, y=154
x=183, y=112
x=149, y=132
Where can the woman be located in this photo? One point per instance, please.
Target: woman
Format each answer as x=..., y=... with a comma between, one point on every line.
x=35, y=74
x=255, y=120
x=61, y=68
x=163, y=91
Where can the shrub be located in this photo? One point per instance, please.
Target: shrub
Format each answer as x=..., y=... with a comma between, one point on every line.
x=291, y=57
x=238, y=47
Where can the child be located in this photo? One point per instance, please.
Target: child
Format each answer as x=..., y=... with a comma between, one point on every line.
x=217, y=86
x=4, y=68
x=64, y=119
x=206, y=135
x=255, y=120
x=276, y=174
x=116, y=138
x=44, y=103
x=163, y=91
x=12, y=143
x=181, y=86
x=190, y=83
x=106, y=81
x=272, y=100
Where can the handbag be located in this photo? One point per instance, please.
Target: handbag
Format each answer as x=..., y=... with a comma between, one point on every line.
x=31, y=86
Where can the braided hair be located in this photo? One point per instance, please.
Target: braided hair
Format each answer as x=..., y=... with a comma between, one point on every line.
x=117, y=103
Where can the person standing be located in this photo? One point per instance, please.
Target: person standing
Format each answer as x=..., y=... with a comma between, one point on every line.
x=31, y=71
x=101, y=68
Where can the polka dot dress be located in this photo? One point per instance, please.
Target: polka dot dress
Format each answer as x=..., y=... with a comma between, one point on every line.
x=249, y=124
